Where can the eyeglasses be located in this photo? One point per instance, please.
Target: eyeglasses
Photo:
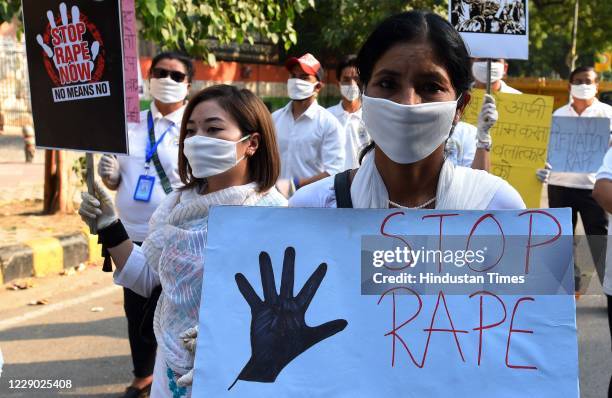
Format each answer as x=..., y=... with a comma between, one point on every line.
x=160, y=73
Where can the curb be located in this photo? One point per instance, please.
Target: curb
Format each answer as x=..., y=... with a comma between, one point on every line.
x=44, y=256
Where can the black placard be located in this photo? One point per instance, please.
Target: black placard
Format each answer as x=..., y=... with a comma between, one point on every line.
x=76, y=74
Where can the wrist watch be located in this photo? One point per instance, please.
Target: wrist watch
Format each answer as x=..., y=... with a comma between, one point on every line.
x=484, y=145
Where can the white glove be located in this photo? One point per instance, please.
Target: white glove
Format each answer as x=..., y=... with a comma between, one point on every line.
x=108, y=169
x=189, y=338
x=486, y=119
x=186, y=379
x=99, y=207
x=544, y=174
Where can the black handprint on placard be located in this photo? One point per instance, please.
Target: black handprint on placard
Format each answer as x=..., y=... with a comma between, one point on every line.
x=278, y=330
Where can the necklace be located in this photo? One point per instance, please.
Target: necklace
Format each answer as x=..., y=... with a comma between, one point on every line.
x=430, y=201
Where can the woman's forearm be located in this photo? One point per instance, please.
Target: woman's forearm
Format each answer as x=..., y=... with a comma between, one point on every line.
x=121, y=253
x=134, y=273
x=482, y=160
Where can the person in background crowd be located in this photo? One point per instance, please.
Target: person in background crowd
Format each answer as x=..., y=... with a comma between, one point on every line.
x=575, y=189
x=602, y=192
x=310, y=139
x=348, y=111
x=499, y=68
x=227, y=156
x=29, y=142
x=415, y=72
x=470, y=146
x=142, y=181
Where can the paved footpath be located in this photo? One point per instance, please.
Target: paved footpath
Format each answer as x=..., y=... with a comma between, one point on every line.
x=65, y=340
x=19, y=180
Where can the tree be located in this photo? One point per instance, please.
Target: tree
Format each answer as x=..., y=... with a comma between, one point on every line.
x=340, y=27
x=550, y=35
x=190, y=25
x=186, y=25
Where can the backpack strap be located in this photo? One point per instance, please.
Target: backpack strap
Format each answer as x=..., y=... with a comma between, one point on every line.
x=342, y=187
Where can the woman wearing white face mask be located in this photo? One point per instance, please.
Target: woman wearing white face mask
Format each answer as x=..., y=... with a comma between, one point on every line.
x=228, y=156
x=416, y=77
x=348, y=111
x=152, y=169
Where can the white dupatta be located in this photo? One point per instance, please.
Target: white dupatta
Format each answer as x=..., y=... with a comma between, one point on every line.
x=175, y=250
x=459, y=188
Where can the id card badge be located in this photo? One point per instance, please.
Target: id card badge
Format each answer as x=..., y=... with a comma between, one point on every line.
x=144, y=188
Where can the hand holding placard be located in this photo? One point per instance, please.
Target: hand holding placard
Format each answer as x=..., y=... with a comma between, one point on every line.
x=109, y=169
x=98, y=208
x=520, y=137
x=486, y=119
x=188, y=339
x=278, y=329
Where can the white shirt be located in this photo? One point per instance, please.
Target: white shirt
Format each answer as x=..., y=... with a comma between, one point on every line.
x=322, y=194
x=504, y=88
x=605, y=172
x=135, y=214
x=355, y=132
x=461, y=146
x=579, y=180
x=310, y=145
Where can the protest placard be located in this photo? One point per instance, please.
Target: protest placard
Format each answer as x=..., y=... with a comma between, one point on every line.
x=75, y=66
x=304, y=309
x=520, y=139
x=578, y=144
x=130, y=61
x=492, y=29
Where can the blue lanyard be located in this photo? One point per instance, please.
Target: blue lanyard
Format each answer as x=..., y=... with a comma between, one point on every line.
x=152, y=149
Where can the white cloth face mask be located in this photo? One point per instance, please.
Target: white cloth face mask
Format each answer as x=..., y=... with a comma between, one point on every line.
x=350, y=91
x=299, y=89
x=209, y=156
x=479, y=70
x=167, y=91
x=408, y=133
x=583, y=91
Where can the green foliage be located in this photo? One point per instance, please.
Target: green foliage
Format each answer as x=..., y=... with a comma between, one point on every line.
x=551, y=23
x=339, y=27
x=329, y=28
x=192, y=25
x=79, y=168
x=189, y=25
x=8, y=9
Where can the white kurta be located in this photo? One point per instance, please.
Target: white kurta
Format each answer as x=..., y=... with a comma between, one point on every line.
x=311, y=144
x=134, y=214
x=355, y=132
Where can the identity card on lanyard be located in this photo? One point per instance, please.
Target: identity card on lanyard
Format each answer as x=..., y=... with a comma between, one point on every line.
x=144, y=187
